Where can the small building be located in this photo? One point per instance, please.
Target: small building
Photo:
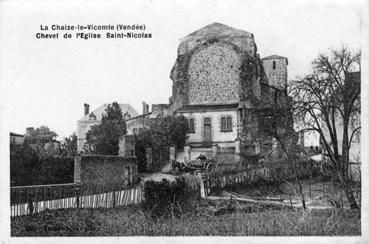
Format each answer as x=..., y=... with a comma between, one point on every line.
x=16, y=139
x=137, y=123
x=94, y=118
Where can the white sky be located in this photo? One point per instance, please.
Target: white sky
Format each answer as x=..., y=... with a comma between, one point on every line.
x=46, y=82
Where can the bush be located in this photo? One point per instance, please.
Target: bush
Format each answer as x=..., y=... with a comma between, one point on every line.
x=29, y=168
x=165, y=199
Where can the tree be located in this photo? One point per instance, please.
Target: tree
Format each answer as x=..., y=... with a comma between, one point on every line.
x=165, y=132
x=277, y=122
x=162, y=133
x=327, y=97
x=104, y=137
x=41, y=135
x=24, y=164
x=70, y=145
x=42, y=141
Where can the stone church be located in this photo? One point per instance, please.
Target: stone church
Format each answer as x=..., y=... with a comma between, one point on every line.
x=219, y=84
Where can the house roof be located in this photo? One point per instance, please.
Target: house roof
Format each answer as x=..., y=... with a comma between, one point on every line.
x=125, y=107
x=215, y=30
x=15, y=134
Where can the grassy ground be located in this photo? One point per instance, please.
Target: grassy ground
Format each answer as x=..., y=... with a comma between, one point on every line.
x=128, y=221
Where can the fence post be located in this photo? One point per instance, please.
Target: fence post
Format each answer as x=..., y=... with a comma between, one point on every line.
x=105, y=189
x=113, y=195
x=36, y=203
x=29, y=202
x=77, y=195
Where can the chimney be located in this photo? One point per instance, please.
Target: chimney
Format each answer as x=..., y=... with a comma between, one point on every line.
x=145, y=108
x=87, y=108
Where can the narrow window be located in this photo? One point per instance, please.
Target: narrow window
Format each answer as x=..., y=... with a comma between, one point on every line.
x=192, y=126
x=273, y=64
x=223, y=124
x=229, y=123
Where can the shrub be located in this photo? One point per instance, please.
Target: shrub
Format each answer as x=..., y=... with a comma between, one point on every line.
x=29, y=168
x=165, y=199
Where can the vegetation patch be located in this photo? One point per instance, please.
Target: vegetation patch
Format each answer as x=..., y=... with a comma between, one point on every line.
x=132, y=221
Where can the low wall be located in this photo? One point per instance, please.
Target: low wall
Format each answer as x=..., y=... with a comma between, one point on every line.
x=103, y=169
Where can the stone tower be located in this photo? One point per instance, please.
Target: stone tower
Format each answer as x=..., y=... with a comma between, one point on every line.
x=275, y=68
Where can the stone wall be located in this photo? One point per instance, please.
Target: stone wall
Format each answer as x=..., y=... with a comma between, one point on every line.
x=127, y=146
x=82, y=128
x=217, y=64
x=102, y=169
x=277, y=75
x=214, y=74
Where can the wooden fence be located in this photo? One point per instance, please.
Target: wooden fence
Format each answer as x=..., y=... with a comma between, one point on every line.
x=34, y=199
x=244, y=174
x=220, y=181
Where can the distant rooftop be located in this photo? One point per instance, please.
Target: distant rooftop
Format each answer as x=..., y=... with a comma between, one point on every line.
x=15, y=134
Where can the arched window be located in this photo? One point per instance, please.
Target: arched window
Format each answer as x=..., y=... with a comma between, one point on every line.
x=274, y=64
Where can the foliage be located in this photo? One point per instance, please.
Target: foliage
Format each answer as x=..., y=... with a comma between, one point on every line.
x=165, y=132
x=328, y=97
x=164, y=198
x=70, y=145
x=43, y=132
x=162, y=133
x=24, y=164
x=104, y=138
x=27, y=167
x=131, y=221
x=42, y=140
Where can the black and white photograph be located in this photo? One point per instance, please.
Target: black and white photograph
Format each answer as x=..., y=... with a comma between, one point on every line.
x=184, y=119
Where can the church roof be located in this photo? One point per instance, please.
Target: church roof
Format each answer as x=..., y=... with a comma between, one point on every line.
x=215, y=30
x=125, y=107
